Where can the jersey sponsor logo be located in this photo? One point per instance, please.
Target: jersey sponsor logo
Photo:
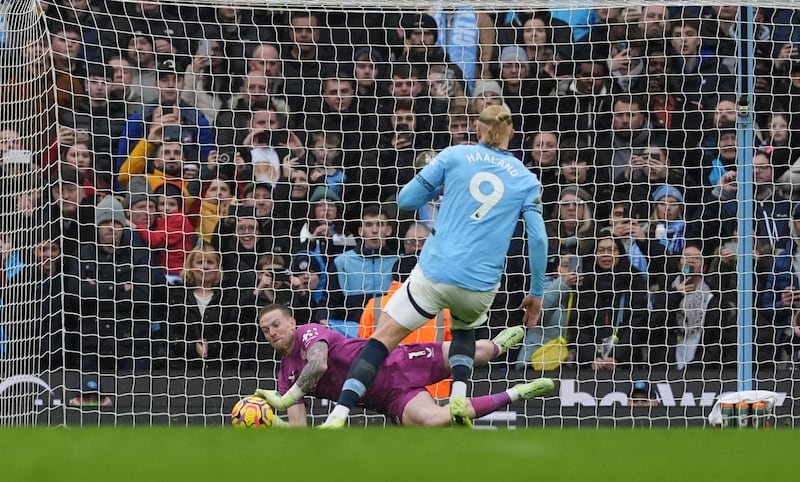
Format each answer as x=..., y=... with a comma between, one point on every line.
x=504, y=164
x=292, y=376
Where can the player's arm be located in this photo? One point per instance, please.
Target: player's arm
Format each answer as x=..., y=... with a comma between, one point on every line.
x=317, y=358
x=416, y=194
x=537, y=257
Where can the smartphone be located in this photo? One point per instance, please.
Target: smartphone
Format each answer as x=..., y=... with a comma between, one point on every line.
x=281, y=277
x=172, y=132
x=273, y=138
x=622, y=46
x=574, y=264
x=203, y=48
x=18, y=156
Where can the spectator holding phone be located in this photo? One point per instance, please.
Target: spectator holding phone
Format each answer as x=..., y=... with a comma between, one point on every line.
x=208, y=79
x=274, y=285
x=323, y=233
x=195, y=132
x=325, y=161
x=611, y=309
x=558, y=307
x=702, y=331
x=308, y=283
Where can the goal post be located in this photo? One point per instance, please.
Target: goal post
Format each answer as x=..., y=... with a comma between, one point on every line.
x=138, y=137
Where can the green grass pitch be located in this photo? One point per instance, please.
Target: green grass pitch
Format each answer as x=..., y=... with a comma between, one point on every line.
x=226, y=454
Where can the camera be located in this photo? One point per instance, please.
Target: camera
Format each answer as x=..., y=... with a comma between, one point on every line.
x=273, y=138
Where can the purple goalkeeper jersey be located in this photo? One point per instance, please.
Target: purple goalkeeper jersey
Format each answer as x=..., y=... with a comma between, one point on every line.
x=406, y=372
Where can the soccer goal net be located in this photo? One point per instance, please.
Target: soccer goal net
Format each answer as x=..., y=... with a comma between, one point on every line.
x=169, y=168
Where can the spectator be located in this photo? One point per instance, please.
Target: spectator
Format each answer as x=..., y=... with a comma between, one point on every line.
x=267, y=59
x=274, y=232
x=291, y=197
x=654, y=22
x=421, y=35
x=67, y=205
x=324, y=159
x=513, y=72
x=571, y=224
x=101, y=116
x=122, y=88
x=274, y=284
x=485, y=93
x=67, y=49
x=163, y=227
x=445, y=86
x=558, y=308
x=208, y=80
x=216, y=215
x=241, y=250
x=702, y=333
x=308, y=282
x=166, y=165
x=583, y=105
x=612, y=309
x=141, y=55
x=195, y=132
x=398, y=150
x=646, y=253
x=777, y=138
x=648, y=170
x=626, y=53
x=159, y=20
x=323, y=233
x=234, y=124
x=702, y=73
x=306, y=60
x=118, y=293
x=542, y=159
x=32, y=302
x=364, y=271
x=631, y=129
x=207, y=322
x=369, y=71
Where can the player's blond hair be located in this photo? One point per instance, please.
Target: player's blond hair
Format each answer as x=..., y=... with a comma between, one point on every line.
x=496, y=124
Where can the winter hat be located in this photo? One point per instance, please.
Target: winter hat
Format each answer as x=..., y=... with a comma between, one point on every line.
x=138, y=190
x=324, y=192
x=665, y=190
x=420, y=21
x=513, y=53
x=110, y=209
x=483, y=86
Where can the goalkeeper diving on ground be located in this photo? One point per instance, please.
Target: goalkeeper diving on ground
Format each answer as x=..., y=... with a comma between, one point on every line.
x=316, y=361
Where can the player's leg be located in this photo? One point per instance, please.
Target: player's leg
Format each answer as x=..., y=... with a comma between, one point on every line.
x=486, y=350
x=402, y=306
x=423, y=410
x=468, y=310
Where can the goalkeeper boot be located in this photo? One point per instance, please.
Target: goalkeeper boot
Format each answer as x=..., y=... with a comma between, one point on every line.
x=536, y=388
x=508, y=338
x=459, y=416
x=333, y=423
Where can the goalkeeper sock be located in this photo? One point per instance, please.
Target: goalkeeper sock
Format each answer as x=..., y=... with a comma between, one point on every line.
x=362, y=373
x=489, y=403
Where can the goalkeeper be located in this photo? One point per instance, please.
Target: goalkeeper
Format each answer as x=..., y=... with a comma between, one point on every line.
x=316, y=361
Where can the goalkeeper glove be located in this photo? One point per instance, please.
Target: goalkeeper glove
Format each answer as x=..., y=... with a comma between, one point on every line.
x=278, y=401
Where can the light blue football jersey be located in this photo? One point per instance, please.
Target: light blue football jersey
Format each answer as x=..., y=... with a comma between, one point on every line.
x=485, y=192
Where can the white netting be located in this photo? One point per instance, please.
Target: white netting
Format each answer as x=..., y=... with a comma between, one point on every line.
x=263, y=134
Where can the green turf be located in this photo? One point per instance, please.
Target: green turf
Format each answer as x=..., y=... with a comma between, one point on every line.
x=201, y=454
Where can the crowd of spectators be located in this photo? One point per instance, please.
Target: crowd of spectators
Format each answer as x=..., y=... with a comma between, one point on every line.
x=196, y=163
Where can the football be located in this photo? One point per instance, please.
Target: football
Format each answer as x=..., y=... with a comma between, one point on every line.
x=252, y=412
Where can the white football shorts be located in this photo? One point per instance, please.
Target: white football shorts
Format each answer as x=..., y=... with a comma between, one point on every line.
x=420, y=299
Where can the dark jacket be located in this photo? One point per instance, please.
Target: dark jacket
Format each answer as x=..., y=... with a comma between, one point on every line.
x=612, y=302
